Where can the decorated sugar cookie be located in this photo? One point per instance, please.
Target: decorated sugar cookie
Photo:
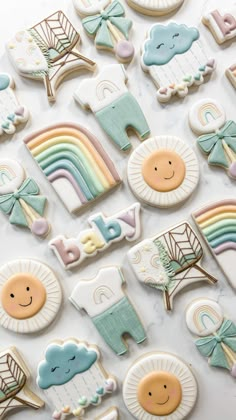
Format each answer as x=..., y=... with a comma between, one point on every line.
x=115, y=108
x=12, y=112
x=204, y=318
x=20, y=198
x=48, y=51
x=30, y=296
x=217, y=224
x=222, y=24
x=231, y=74
x=176, y=59
x=74, y=162
x=111, y=414
x=73, y=378
x=155, y=7
x=14, y=391
x=105, y=22
x=170, y=261
x=163, y=171
x=161, y=386
x=109, y=308
x=218, y=136
x=102, y=233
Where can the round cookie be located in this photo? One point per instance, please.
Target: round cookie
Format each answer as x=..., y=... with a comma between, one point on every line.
x=204, y=317
x=206, y=116
x=159, y=384
x=30, y=296
x=155, y=7
x=12, y=176
x=163, y=171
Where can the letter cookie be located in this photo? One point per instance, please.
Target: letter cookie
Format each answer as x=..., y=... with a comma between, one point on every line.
x=175, y=58
x=48, y=52
x=20, y=198
x=163, y=171
x=30, y=296
x=231, y=74
x=155, y=7
x=204, y=317
x=103, y=232
x=221, y=24
x=74, y=162
x=73, y=378
x=11, y=111
x=105, y=22
x=14, y=391
x=170, y=261
x=160, y=386
x=109, y=307
x=217, y=224
x=116, y=110
x=218, y=139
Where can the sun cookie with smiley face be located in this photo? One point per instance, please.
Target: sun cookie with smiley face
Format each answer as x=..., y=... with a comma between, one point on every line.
x=163, y=171
x=30, y=296
x=159, y=384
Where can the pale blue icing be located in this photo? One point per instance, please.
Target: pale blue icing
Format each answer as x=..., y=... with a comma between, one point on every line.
x=62, y=363
x=166, y=41
x=110, y=230
x=4, y=81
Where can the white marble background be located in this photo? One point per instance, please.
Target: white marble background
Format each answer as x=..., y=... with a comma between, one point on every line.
x=166, y=332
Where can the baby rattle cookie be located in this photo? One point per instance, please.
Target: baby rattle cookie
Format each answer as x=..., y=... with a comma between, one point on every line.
x=155, y=7
x=109, y=308
x=170, y=261
x=12, y=112
x=73, y=377
x=106, y=23
x=48, y=52
x=161, y=386
x=14, y=391
x=20, y=198
x=221, y=24
x=115, y=108
x=163, y=171
x=74, y=162
x=218, y=136
x=231, y=74
x=30, y=296
x=175, y=58
x=217, y=224
x=204, y=318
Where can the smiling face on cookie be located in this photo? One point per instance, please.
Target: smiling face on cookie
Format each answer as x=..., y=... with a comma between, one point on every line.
x=163, y=170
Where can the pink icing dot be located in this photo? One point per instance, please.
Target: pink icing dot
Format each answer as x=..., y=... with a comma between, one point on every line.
x=40, y=227
x=124, y=49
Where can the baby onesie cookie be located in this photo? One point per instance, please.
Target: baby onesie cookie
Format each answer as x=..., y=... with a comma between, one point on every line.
x=106, y=23
x=14, y=391
x=218, y=136
x=20, y=198
x=217, y=224
x=170, y=261
x=73, y=377
x=222, y=24
x=161, y=386
x=74, y=162
x=231, y=74
x=12, y=112
x=175, y=58
x=48, y=52
x=109, y=308
x=102, y=233
x=163, y=171
x=204, y=318
x=155, y=7
x=115, y=108
x=30, y=296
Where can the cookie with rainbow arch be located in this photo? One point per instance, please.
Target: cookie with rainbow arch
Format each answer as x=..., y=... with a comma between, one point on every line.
x=74, y=162
x=217, y=224
x=217, y=342
x=231, y=74
x=218, y=136
x=155, y=7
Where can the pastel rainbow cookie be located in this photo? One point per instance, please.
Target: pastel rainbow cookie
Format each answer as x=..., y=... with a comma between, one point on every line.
x=217, y=223
x=74, y=162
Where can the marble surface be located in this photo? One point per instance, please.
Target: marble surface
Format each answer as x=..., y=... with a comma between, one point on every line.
x=165, y=331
